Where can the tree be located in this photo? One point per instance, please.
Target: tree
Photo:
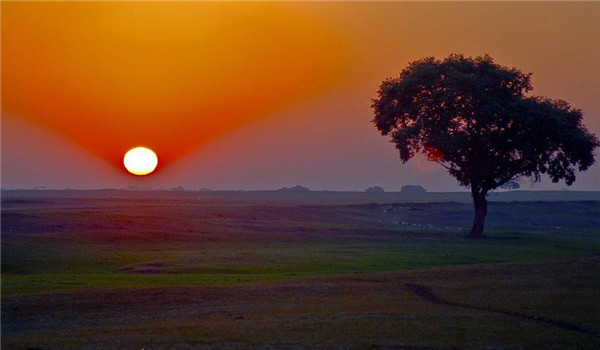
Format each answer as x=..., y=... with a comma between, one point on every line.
x=510, y=185
x=297, y=189
x=473, y=117
x=375, y=189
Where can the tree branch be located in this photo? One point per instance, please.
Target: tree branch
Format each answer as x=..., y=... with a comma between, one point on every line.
x=442, y=164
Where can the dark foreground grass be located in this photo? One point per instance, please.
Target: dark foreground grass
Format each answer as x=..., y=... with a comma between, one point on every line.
x=367, y=311
x=182, y=273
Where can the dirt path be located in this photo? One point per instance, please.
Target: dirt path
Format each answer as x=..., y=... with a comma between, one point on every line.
x=428, y=296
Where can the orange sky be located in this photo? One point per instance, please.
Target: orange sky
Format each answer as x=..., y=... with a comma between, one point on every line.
x=256, y=94
x=170, y=76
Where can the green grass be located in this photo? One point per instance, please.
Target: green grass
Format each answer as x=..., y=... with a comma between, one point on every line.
x=44, y=265
x=188, y=275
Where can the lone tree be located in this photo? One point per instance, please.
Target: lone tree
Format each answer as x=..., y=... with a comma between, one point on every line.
x=472, y=116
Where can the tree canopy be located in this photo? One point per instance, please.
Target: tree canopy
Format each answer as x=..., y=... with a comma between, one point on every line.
x=474, y=117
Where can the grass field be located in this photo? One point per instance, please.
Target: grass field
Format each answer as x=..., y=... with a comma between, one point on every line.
x=128, y=270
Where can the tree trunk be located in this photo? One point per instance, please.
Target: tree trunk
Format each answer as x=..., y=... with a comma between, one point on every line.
x=480, y=212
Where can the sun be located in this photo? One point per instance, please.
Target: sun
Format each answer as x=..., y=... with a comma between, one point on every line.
x=140, y=161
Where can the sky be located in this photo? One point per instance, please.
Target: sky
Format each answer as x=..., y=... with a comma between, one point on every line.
x=257, y=95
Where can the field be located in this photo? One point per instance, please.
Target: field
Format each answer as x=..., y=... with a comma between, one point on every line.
x=317, y=270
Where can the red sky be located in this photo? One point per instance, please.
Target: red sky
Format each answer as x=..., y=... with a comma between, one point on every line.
x=256, y=95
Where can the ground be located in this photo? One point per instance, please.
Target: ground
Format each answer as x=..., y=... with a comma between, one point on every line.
x=133, y=270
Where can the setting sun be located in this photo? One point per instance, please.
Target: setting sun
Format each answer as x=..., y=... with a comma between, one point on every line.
x=140, y=161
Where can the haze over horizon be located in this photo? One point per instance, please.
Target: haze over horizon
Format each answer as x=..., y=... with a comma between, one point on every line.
x=257, y=95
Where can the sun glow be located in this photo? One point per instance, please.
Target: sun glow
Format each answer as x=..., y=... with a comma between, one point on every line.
x=134, y=63
x=140, y=161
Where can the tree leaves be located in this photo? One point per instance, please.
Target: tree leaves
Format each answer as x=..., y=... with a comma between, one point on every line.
x=473, y=116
